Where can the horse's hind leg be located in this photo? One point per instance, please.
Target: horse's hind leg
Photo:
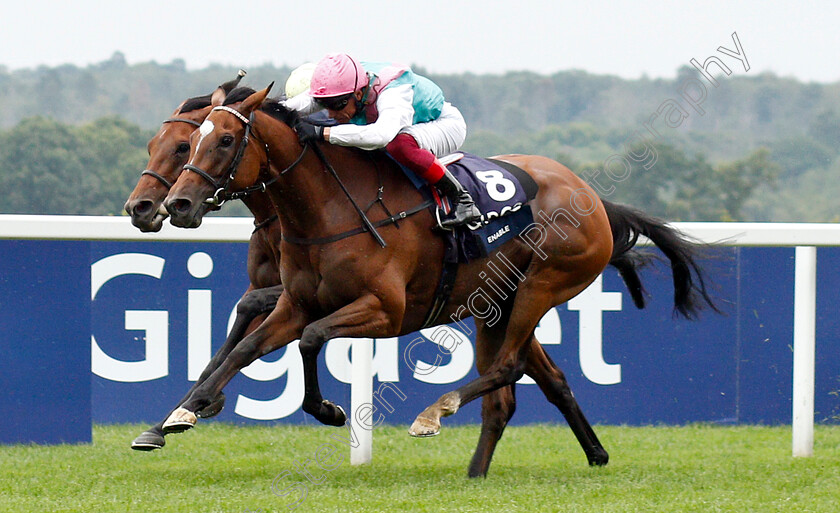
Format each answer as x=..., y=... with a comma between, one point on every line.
x=497, y=408
x=553, y=384
x=532, y=300
x=250, y=312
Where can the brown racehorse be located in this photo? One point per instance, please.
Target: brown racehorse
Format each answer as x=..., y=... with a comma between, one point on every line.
x=353, y=287
x=169, y=150
x=167, y=155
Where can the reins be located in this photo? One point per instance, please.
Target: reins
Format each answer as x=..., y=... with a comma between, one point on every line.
x=368, y=226
x=260, y=187
x=263, y=224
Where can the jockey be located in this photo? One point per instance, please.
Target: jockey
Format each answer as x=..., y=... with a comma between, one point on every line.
x=388, y=106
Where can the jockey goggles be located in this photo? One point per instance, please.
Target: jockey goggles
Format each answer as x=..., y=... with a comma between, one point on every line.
x=334, y=103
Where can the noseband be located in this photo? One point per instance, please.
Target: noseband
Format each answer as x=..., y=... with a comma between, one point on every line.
x=166, y=183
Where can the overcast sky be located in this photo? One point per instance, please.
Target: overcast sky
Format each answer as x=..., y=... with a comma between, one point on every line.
x=619, y=37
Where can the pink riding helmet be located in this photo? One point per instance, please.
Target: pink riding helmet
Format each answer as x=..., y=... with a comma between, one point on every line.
x=337, y=74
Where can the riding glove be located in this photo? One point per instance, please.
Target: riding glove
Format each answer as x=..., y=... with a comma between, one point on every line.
x=308, y=132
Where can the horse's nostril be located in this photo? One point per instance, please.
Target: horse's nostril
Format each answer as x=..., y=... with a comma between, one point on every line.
x=180, y=206
x=142, y=207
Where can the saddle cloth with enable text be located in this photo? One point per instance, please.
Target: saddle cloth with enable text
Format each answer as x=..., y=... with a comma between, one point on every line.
x=501, y=192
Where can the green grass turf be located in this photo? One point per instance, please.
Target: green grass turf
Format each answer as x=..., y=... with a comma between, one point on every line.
x=220, y=467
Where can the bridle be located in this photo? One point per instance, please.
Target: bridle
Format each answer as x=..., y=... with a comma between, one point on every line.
x=221, y=187
x=222, y=194
x=166, y=183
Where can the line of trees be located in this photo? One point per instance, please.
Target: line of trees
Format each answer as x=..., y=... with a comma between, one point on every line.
x=73, y=140
x=48, y=167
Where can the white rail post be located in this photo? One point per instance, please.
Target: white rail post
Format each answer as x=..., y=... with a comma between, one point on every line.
x=361, y=392
x=804, y=327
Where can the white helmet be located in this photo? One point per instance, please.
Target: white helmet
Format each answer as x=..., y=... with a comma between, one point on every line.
x=299, y=79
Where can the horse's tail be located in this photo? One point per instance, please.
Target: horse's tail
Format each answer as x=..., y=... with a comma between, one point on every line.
x=627, y=224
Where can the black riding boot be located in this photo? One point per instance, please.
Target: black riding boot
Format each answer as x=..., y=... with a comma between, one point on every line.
x=463, y=207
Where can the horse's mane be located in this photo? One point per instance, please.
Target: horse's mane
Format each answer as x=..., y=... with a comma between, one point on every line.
x=277, y=110
x=270, y=106
x=238, y=95
x=199, y=102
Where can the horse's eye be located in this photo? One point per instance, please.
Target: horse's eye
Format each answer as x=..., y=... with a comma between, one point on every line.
x=183, y=148
x=226, y=140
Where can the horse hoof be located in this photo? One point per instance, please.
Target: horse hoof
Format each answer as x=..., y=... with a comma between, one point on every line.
x=148, y=441
x=179, y=421
x=338, y=417
x=326, y=412
x=599, y=458
x=343, y=416
x=424, y=428
x=212, y=409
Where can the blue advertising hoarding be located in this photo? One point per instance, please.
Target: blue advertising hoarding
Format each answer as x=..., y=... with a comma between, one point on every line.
x=145, y=317
x=44, y=342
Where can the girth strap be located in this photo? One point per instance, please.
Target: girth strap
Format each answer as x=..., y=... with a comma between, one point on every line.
x=444, y=290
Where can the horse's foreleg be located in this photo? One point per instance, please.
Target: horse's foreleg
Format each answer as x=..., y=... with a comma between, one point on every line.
x=283, y=325
x=153, y=438
x=361, y=318
x=250, y=312
x=553, y=384
x=497, y=408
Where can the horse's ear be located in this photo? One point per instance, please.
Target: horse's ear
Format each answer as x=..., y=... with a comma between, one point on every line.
x=231, y=84
x=178, y=110
x=253, y=102
x=218, y=96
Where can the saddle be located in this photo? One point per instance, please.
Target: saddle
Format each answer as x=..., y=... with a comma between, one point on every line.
x=501, y=192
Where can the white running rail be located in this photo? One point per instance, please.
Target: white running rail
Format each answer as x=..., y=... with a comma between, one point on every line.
x=806, y=237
